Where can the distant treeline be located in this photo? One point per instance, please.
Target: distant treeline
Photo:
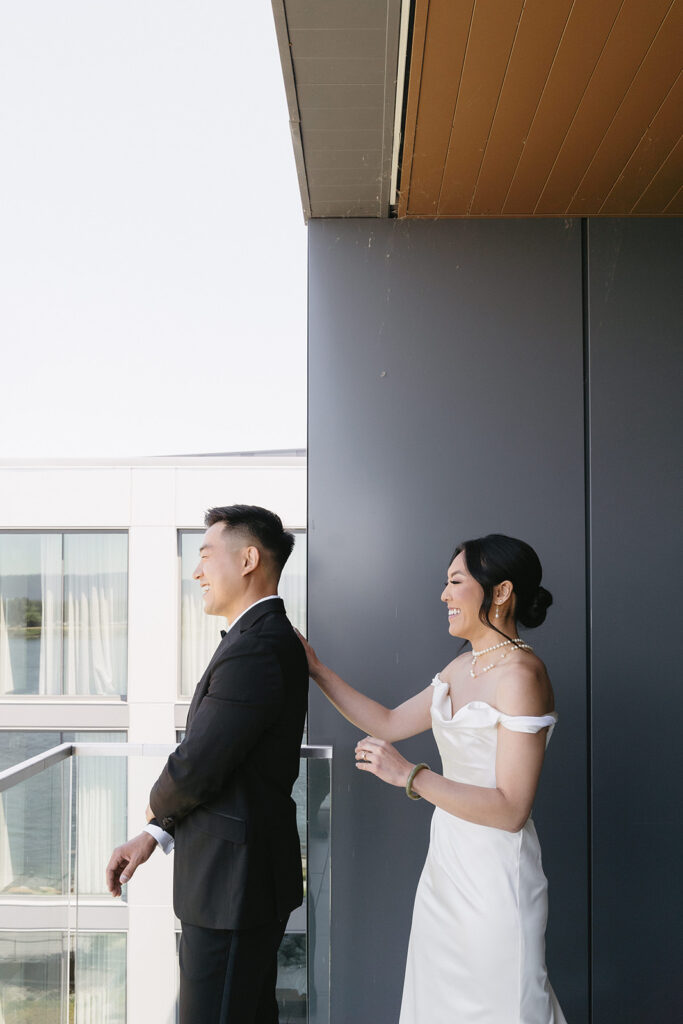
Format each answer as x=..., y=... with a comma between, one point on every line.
x=30, y=585
x=22, y=612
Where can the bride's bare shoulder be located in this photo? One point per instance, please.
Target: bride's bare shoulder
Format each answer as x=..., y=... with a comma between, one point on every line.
x=455, y=668
x=524, y=687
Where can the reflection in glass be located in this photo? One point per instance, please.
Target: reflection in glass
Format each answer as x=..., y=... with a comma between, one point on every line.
x=299, y=797
x=35, y=828
x=63, y=613
x=100, y=978
x=318, y=890
x=32, y=977
x=200, y=633
x=291, y=978
x=39, y=817
x=43, y=982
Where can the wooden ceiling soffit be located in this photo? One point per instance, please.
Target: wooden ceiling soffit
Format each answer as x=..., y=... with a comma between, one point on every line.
x=339, y=62
x=544, y=108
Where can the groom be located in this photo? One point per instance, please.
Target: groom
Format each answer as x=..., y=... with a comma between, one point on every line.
x=224, y=796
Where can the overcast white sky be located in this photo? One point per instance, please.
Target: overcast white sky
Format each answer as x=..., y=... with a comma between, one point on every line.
x=152, y=245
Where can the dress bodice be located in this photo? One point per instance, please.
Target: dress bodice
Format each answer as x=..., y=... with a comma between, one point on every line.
x=467, y=740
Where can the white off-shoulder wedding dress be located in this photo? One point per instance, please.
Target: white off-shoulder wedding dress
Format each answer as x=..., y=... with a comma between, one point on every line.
x=477, y=943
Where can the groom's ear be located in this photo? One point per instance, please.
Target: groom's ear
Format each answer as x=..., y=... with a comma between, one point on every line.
x=251, y=559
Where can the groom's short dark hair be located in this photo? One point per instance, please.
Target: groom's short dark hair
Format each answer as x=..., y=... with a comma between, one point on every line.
x=263, y=526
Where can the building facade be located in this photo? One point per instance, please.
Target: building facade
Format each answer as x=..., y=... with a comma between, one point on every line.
x=102, y=639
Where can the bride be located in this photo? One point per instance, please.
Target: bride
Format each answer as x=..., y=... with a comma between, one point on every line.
x=477, y=942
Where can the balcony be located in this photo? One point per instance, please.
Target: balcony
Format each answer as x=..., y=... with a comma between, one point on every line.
x=71, y=953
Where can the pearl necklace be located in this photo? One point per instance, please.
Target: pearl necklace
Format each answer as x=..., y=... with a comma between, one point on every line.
x=516, y=644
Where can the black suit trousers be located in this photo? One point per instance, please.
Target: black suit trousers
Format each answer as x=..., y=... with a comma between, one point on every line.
x=228, y=976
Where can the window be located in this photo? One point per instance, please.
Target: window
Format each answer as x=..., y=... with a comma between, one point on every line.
x=32, y=975
x=38, y=857
x=200, y=633
x=63, y=614
x=100, y=978
x=42, y=980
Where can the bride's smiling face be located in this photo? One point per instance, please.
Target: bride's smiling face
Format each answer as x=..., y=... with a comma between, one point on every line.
x=463, y=596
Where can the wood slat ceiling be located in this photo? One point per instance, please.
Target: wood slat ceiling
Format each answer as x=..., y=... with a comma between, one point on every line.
x=545, y=108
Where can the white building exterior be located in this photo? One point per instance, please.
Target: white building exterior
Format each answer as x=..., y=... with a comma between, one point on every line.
x=153, y=500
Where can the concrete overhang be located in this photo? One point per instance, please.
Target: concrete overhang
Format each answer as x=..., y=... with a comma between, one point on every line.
x=507, y=108
x=339, y=60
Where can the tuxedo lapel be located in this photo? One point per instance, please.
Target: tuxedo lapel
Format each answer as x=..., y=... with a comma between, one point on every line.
x=203, y=684
x=199, y=691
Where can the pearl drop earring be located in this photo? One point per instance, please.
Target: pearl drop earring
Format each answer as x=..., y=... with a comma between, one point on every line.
x=497, y=612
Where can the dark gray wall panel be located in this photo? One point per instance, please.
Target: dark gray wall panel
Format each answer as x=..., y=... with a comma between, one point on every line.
x=635, y=436
x=446, y=401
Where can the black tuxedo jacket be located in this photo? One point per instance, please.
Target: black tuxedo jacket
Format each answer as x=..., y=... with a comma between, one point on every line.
x=226, y=790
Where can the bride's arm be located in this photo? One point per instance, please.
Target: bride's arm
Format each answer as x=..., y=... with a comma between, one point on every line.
x=392, y=724
x=519, y=760
x=507, y=807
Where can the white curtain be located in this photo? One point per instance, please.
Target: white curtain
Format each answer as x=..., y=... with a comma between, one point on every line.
x=49, y=670
x=95, y=607
x=200, y=636
x=293, y=584
x=101, y=816
x=6, y=677
x=100, y=978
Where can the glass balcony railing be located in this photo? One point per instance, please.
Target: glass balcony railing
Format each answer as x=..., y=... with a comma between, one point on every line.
x=71, y=953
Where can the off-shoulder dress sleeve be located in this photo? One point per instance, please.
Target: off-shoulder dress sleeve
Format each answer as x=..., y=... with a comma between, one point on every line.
x=529, y=723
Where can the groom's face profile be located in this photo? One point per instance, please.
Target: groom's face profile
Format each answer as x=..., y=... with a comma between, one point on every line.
x=224, y=564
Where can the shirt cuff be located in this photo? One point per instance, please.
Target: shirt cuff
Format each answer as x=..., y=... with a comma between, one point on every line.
x=165, y=841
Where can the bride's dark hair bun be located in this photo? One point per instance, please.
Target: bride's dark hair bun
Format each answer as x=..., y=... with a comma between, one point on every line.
x=535, y=612
x=495, y=558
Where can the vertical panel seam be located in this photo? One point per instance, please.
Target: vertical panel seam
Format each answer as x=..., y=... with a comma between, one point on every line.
x=585, y=310
x=309, y=229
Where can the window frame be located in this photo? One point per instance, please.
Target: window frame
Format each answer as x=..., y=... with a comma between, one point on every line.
x=70, y=699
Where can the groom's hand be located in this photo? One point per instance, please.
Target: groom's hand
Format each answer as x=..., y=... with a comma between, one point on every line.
x=125, y=860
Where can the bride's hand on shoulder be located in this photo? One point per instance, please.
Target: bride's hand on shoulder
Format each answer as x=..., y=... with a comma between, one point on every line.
x=314, y=662
x=381, y=758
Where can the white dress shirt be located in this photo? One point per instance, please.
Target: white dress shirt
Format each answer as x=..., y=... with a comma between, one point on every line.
x=165, y=839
